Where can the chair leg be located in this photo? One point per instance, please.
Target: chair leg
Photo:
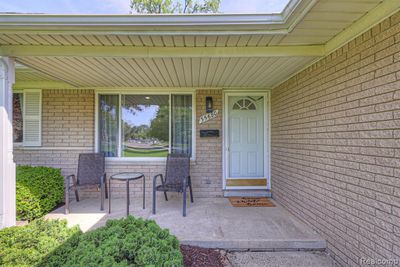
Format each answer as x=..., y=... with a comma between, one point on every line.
x=66, y=211
x=190, y=190
x=106, y=186
x=76, y=194
x=165, y=195
x=66, y=194
x=184, y=201
x=109, y=195
x=102, y=187
x=144, y=192
x=154, y=196
x=75, y=186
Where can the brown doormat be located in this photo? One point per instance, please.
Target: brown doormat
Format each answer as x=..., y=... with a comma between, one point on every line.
x=251, y=202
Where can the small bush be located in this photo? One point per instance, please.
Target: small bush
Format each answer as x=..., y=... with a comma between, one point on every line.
x=124, y=242
x=28, y=245
x=39, y=190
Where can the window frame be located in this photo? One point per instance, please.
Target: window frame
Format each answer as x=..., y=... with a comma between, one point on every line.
x=19, y=144
x=24, y=117
x=169, y=93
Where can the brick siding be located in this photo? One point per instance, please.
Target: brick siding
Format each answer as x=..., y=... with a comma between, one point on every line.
x=67, y=118
x=68, y=129
x=207, y=173
x=336, y=146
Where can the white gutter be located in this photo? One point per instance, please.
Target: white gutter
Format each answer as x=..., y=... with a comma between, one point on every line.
x=158, y=24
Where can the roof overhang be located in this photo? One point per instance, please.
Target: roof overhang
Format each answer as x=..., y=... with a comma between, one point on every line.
x=183, y=24
x=169, y=65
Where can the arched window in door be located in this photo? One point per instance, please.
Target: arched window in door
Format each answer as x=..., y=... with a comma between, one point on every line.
x=244, y=104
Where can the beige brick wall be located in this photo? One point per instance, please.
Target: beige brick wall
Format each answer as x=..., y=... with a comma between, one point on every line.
x=207, y=172
x=68, y=129
x=66, y=114
x=66, y=159
x=336, y=146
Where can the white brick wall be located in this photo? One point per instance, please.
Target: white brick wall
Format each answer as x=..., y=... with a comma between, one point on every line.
x=336, y=146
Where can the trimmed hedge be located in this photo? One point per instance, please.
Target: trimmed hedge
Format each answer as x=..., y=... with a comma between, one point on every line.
x=124, y=242
x=39, y=190
x=28, y=245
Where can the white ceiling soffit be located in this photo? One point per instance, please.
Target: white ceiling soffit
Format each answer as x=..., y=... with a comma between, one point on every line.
x=29, y=74
x=199, y=24
x=89, y=72
x=159, y=52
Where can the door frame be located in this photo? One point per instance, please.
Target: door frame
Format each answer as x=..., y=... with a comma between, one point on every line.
x=267, y=139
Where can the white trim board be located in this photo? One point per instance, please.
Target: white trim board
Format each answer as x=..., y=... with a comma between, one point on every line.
x=54, y=85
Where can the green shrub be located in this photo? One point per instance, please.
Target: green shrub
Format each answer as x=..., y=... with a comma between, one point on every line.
x=39, y=190
x=28, y=245
x=124, y=242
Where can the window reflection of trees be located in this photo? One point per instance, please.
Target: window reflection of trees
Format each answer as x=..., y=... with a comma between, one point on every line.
x=145, y=125
x=17, y=117
x=143, y=133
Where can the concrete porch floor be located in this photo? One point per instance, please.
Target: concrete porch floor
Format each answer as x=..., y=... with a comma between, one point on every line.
x=210, y=223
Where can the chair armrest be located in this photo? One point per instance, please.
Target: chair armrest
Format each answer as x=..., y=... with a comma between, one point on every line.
x=71, y=175
x=67, y=181
x=102, y=178
x=155, y=179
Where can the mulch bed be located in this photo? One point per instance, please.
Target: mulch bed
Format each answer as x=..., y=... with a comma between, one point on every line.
x=203, y=257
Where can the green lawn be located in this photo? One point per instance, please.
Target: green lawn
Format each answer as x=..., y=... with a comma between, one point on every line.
x=144, y=153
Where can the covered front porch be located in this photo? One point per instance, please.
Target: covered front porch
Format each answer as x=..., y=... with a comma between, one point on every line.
x=323, y=75
x=68, y=67
x=211, y=223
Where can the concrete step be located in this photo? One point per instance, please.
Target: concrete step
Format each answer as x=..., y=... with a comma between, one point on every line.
x=260, y=244
x=247, y=193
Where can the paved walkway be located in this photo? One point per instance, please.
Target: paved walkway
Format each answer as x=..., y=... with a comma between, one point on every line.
x=209, y=223
x=280, y=259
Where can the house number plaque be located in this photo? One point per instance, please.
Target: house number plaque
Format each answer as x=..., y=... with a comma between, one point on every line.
x=209, y=116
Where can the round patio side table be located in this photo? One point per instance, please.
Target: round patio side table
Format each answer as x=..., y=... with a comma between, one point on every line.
x=127, y=177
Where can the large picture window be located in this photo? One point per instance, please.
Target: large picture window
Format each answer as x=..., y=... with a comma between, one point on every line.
x=144, y=126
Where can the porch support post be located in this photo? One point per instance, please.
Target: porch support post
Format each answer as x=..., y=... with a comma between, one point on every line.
x=7, y=165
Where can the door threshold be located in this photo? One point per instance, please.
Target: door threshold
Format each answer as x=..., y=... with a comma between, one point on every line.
x=247, y=193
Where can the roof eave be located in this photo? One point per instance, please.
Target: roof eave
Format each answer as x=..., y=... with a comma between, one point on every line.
x=177, y=23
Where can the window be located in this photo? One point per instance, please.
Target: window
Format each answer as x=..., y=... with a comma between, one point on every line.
x=27, y=112
x=108, y=122
x=244, y=104
x=18, y=122
x=144, y=126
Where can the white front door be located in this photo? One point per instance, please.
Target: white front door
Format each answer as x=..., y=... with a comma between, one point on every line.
x=245, y=142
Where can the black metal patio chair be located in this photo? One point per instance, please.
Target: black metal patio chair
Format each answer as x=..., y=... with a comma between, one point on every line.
x=177, y=179
x=91, y=168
